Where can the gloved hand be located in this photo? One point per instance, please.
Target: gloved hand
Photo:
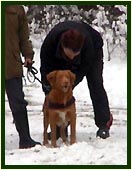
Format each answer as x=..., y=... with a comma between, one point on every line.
x=46, y=88
x=28, y=62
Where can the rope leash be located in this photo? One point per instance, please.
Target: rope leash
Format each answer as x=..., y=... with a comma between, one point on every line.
x=31, y=72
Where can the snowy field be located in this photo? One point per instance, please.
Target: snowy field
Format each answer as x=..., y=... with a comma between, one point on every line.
x=88, y=150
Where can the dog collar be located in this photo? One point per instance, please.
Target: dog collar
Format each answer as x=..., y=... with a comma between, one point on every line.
x=61, y=106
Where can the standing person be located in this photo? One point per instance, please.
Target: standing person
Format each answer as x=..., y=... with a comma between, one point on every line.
x=78, y=47
x=16, y=42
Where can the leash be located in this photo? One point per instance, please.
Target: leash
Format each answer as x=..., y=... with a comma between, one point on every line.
x=31, y=72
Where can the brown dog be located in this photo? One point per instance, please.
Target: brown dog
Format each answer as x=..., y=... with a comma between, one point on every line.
x=59, y=106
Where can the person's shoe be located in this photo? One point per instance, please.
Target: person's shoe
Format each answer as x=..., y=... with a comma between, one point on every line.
x=103, y=133
x=25, y=144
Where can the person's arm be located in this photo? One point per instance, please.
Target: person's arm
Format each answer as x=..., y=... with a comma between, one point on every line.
x=44, y=70
x=47, y=63
x=25, y=44
x=87, y=57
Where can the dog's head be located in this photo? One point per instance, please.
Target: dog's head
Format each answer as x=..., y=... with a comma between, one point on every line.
x=61, y=79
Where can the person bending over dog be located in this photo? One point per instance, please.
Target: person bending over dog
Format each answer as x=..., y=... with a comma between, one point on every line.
x=16, y=42
x=78, y=47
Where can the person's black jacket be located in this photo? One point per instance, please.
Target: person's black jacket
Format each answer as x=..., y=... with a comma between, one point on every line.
x=51, y=58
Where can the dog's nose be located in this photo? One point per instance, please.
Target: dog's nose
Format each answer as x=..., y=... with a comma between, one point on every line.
x=66, y=83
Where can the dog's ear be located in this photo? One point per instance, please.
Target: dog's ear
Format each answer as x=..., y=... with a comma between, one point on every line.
x=72, y=77
x=51, y=77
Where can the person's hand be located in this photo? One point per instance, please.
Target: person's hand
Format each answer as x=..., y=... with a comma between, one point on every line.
x=28, y=62
x=46, y=88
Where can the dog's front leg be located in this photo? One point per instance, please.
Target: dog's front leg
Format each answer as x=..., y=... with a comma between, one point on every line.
x=73, y=129
x=53, y=133
x=46, y=123
x=62, y=132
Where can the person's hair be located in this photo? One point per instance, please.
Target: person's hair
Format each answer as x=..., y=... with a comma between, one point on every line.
x=72, y=39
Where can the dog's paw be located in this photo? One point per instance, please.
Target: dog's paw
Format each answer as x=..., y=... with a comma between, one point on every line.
x=48, y=145
x=66, y=142
x=72, y=142
x=54, y=146
x=45, y=142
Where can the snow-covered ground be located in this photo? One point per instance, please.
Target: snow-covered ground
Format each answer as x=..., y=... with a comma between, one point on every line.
x=88, y=150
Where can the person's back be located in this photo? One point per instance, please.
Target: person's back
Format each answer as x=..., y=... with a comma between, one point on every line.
x=51, y=49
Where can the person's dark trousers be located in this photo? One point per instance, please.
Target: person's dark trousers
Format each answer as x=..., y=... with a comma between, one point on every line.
x=98, y=94
x=17, y=103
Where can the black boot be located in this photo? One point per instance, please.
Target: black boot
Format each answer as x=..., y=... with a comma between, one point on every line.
x=21, y=123
x=27, y=143
x=58, y=133
x=103, y=133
